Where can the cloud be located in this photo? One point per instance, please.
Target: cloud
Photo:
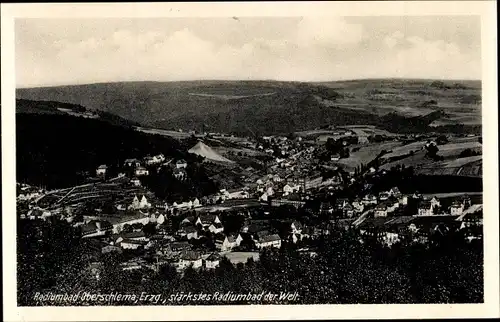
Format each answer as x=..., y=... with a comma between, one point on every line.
x=328, y=31
x=315, y=49
x=392, y=40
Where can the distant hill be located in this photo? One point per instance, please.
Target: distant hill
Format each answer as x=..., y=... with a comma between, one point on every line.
x=60, y=108
x=271, y=107
x=55, y=149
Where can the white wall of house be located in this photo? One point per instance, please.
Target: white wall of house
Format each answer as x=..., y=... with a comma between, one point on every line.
x=211, y=264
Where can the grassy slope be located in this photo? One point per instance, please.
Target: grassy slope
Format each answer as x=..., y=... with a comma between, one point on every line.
x=293, y=107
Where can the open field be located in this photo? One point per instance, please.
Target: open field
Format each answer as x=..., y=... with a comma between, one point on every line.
x=99, y=191
x=365, y=154
x=269, y=107
x=470, y=169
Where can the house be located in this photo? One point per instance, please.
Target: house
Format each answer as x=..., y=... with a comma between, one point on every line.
x=144, y=203
x=425, y=208
x=394, y=192
x=188, y=231
x=348, y=211
x=296, y=227
x=191, y=220
x=212, y=261
x=181, y=164
x=380, y=211
x=268, y=240
x=176, y=248
x=264, y=197
x=119, y=221
x=226, y=243
x=435, y=202
x=132, y=244
x=136, y=182
x=95, y=228
x=472, y=220
x=148, y=160
x=466, y=202
x=159, y=158
x=206, y=220
x=130, y=266
x=341, y=203
x=180, y=174
x=383, y=195
x=325, y=208
x=392, y=204
x=189, y=258
x=335, y=157
x=358, y=205
x=216, y=228
x=196, y=203
x=132, y=163
x=287, y=189
x=101, y=170
x=134, y=235
x=393, y=234
x=369, y=199
x=456, y=208
x=141, y=171
x=403, y=200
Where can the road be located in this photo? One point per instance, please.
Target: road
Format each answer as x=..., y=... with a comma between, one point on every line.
x=362, y=218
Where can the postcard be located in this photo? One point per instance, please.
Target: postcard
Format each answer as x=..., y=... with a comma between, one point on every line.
x=244, y=161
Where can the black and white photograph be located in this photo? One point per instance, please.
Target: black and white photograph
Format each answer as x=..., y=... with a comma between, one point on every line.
x=249, y=160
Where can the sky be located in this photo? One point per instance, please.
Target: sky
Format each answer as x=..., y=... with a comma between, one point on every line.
x=78, y=51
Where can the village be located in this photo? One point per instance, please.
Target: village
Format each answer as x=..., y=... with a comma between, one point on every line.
x=293, y=203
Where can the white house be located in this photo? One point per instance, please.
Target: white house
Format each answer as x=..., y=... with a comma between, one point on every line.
x=207, y=220
x=189, y=232
x=144, y=203
x=435, y=202
x=132, y=163
x=264, y=197
x=290, y=188
x=358, y=205
x=101, y=170
x=425, y=209
x=226, y=243
x=216, y=228
x=181, y=164
x=381, y=211
x=196, y=203
x=369, y=200
x=403, y=200
x=269, y=241
x=132, y=244
x=141, y=171
x=394, y=191
x=180, y=174
x=212, y=261
x=149, y=160
x=189, y=258
x=456, y=208
x=130, y=220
